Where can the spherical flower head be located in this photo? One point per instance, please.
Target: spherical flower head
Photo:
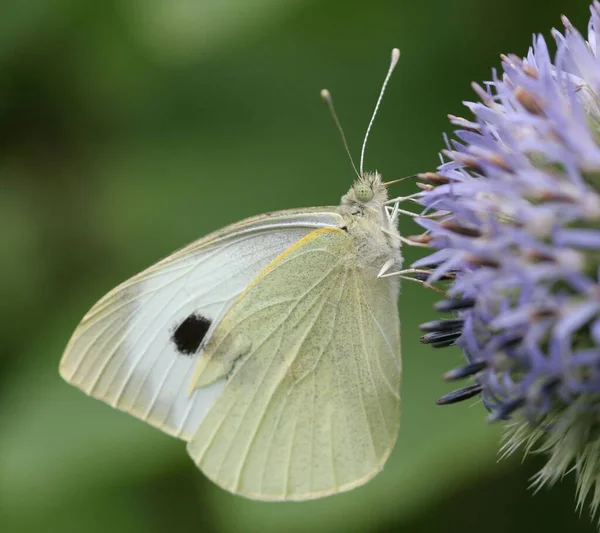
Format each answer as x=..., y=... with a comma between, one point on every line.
x=514, y=212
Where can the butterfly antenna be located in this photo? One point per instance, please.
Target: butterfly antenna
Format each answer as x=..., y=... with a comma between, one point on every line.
x=393, y=63
x=326, y=96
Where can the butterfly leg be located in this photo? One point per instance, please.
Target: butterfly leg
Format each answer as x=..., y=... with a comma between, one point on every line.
x=405, y=240
x=395, y=211
x=392, y=217
x=392, y=207
x=420, y=274
x=410, y=198
x=392, y=213
x=424, y=283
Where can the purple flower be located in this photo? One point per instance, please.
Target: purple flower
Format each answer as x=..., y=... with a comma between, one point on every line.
x=514, y=214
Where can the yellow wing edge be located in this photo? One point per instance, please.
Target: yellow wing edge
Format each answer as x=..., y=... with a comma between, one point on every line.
x=270, y=266
x=204, y=361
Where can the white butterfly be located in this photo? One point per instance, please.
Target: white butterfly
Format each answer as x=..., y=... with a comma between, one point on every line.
x=272, y=347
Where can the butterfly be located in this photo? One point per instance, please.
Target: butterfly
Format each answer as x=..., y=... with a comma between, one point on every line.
x=272, y=346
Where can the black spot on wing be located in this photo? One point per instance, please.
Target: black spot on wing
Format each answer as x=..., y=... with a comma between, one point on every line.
x=189, y=334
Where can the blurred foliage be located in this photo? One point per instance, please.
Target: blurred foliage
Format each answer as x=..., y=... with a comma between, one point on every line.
x=128, y=128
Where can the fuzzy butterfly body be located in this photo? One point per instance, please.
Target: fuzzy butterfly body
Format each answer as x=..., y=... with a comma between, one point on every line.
x=272, y=347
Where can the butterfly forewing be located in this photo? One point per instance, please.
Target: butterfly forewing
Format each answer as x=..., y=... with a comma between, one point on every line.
x=137, y=348
x=311, y=403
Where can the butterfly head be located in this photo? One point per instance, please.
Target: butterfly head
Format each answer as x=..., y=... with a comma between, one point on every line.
x=368, y=191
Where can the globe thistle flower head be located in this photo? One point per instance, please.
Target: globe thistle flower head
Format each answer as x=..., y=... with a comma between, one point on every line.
x=513, y=211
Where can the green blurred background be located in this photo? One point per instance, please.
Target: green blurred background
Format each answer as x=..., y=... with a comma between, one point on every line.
x=129, y=128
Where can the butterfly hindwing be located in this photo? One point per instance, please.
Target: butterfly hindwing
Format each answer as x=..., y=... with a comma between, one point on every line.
x=311, y=402
x=137, y=348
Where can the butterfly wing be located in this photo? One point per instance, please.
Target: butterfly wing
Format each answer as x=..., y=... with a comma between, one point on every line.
x=136, y=349
x=312, y=355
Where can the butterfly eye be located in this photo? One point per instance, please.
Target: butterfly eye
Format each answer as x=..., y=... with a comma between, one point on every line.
x=363, y=192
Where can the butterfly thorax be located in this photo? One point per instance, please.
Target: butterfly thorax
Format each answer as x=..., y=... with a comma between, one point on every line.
x=375, y=235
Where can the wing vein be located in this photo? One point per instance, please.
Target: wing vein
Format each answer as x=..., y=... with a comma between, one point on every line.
x=334, y=361
x=360, y=301
x=390, y=386
x=289, y=361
